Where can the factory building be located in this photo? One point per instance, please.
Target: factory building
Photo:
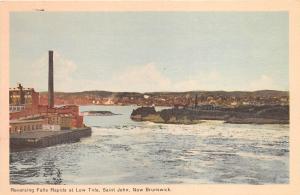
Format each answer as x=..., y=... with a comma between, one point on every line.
x=25, y=108
x=65, y=121
x=18, y=126
x=21, y=98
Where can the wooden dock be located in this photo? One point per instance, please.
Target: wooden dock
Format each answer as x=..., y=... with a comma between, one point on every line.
x=45, y=138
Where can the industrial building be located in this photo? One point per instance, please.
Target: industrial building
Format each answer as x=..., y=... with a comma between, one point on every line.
x=18, y=126
x=21, y=98
x=26, y=112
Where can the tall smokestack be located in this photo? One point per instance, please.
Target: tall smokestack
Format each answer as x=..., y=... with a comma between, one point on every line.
x=50, y=81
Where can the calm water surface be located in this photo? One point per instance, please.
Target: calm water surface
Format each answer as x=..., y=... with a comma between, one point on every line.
x=121, y=151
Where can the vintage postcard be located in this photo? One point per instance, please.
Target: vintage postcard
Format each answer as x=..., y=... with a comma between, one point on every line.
x=150, y=97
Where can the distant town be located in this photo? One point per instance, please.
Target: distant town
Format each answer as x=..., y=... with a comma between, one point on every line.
x=170, y=99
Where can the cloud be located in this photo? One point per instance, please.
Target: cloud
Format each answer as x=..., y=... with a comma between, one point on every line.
x=201, y=80
x=138, y=78
x=148, y=77
x=263, y=82
x=141, y=78
x=63, y=72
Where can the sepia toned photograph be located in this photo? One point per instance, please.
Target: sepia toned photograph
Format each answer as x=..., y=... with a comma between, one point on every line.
x=149, y=97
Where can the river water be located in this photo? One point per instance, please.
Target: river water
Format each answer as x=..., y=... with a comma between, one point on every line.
x=121, y=151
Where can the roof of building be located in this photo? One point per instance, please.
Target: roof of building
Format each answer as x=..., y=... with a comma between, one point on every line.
x=24, y=89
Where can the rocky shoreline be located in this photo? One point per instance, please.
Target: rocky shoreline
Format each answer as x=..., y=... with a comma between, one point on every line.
x=241, y=115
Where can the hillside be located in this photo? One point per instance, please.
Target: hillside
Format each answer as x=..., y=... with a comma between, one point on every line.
x=260, y=93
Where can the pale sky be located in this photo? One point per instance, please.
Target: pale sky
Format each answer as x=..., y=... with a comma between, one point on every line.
x=150, y=51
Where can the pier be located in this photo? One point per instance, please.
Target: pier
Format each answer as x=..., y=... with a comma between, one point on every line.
x=45, y=138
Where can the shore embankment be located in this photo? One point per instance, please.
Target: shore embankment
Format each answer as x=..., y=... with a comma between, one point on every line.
x=45, y=138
